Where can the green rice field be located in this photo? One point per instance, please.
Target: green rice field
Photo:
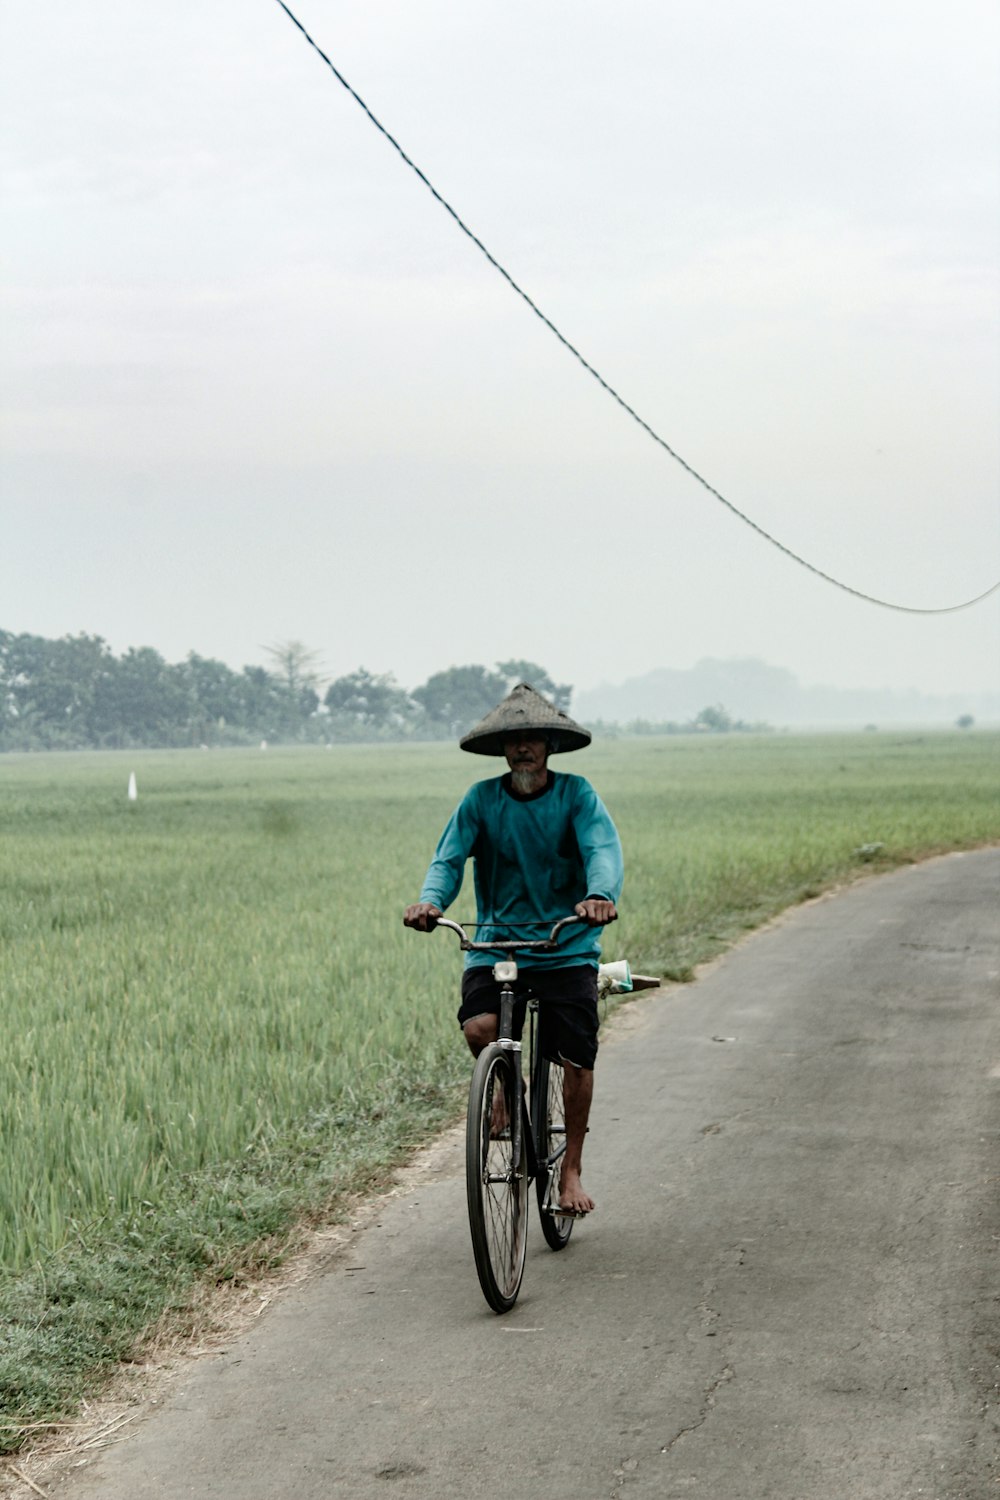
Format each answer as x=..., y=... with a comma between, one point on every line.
x=214, y=1025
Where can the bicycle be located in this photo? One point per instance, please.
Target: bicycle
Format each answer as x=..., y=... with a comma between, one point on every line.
x=511, y=1140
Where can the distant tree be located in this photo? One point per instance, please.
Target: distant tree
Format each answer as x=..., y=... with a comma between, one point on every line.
x=369, y=704
x=50, y=690
x=530, y=672
x=454, y=700
x=295, y=664
x=215, y=708
x=964, y=721
x=269, y=708
x=296, y=672
x=143, y=701
x=714, y=719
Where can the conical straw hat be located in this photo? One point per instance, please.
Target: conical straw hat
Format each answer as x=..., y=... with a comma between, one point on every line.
x=521, y=711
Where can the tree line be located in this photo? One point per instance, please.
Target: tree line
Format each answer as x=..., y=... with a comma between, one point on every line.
x=75, y=693
x=711, y=720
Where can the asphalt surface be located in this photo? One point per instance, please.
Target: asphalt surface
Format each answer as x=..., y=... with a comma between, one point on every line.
x=788, y=1291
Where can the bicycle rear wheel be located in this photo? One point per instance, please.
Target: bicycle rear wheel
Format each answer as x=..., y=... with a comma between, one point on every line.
x=497, y=1177
x=548, y=1121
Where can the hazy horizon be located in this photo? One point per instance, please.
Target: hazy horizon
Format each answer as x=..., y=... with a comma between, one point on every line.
x=257, y=387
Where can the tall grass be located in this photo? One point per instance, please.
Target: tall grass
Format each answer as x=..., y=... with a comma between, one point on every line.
x=212, y=1020
x=185, y=978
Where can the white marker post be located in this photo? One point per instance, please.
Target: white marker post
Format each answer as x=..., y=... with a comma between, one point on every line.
x=133, y=790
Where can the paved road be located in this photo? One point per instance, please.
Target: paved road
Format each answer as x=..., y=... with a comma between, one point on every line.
x=786, y=1293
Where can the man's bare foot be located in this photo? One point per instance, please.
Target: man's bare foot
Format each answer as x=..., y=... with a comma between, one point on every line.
x=572, y=1197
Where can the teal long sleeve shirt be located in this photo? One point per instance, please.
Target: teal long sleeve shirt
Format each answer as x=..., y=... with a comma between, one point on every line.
x=534, y=858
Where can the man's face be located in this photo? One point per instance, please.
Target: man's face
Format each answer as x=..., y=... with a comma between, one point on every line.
x=526, y=753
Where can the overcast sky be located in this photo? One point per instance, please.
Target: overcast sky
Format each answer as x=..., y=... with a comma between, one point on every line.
x=257, y=386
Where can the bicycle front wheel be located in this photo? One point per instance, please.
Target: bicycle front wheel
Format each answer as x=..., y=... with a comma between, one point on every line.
x=548, y=1121
x=496, y=1176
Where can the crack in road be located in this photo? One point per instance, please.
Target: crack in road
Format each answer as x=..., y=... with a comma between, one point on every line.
x=726, y=1374
x=628, y=1468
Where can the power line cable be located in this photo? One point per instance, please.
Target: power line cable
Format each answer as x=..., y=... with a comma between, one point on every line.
x=716, y=494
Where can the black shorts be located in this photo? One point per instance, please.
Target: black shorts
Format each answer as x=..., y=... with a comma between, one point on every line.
x=567, y=1008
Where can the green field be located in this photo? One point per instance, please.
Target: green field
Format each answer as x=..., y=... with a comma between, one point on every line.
x=214, y=1024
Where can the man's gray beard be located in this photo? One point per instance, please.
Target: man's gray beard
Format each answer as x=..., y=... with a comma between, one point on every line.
x=523, y=781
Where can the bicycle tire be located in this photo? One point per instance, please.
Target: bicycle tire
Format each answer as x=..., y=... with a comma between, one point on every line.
x=496, y=1184
x=548, y=1123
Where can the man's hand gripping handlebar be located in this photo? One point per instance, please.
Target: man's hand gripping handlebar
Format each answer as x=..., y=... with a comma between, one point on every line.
x=423, y=915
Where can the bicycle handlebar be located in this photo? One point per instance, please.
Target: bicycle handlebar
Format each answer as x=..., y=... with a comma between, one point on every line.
x=510, y=945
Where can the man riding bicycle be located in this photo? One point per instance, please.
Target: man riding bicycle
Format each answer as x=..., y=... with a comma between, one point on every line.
x=543, y=845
